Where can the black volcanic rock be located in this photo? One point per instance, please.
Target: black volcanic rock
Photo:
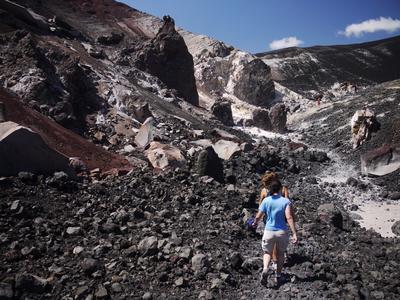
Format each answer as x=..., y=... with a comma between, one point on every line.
x=254, y=84
x=278, y=116
x=330, y=214
x=261, y=119
x=208, y=163
x=223, y=112
x=167, y=57
x=112, y=39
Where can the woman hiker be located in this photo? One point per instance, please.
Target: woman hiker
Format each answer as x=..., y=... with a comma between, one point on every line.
x=278, y=211
x=266, y=180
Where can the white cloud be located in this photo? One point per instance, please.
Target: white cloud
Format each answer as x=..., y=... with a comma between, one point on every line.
x=371, y=25
x=290, y=41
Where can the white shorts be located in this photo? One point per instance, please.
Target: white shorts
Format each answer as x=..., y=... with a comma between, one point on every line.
x=270, y=238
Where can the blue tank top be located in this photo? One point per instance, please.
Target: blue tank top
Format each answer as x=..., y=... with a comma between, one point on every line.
x=274, y=208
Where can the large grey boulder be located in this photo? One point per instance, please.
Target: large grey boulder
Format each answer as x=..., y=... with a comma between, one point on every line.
x=26, y=282
x=163, y=156
x=6, y=291
x=381, y=161
x=252, y=82
x=23, y=150
x=148, y=246
x=225, y=149
x=146, y=133
x=2, y=112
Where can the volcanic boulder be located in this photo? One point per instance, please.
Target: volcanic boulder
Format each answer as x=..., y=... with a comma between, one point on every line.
x=330, y=214
x=146, y=133
x=223, y=69
x=223, y=112
x=381, y=161
x=164, y=156
x=167, y=57
x=225, y=149
x=261, y=119
x=112, y=39
x=21, y=149
x=278, y=116
x=30, y=283
x=209, y=164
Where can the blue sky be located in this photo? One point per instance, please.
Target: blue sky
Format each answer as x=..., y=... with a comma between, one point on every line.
x=253, y=25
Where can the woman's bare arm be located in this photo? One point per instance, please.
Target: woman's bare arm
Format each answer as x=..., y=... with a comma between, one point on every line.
x=289, y=214
x=259, y=216
x=285, y=191
x=262, y=195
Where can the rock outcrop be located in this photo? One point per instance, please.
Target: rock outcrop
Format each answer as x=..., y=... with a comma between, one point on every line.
x=2, y=112
x=224, y=69
x=363, y=123
x=167, y=57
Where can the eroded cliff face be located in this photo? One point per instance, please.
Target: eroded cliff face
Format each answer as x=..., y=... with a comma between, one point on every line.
x=93, y=65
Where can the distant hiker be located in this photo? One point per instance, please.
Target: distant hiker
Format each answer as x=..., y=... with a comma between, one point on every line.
x=318, y=99
x=278, y=210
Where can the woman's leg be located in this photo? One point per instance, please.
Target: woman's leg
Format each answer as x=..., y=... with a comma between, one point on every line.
x=275, y=254
x=266, y=261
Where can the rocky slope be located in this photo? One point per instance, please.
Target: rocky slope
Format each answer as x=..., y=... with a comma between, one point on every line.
x=134, y=237
x=329, y=127
x=313, y=70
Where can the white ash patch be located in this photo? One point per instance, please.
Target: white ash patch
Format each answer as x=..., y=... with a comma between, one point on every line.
x=379, y=216
x=258, y=133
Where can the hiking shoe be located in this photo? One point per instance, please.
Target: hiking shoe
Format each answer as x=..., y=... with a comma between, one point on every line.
x=264, y=277
x=279, y=280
